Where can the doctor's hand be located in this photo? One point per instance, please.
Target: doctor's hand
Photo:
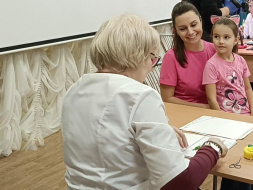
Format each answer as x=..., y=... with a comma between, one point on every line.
x=223, y=147
x=181, y=137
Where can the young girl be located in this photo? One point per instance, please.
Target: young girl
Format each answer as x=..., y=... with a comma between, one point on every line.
x=226, y=79
x=226, y=73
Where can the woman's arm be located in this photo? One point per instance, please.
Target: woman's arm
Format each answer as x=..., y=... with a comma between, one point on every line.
x=249, y=93
x=204, y=160
x=167, y=93
x=212, y=96
x=148, y=118
x=191, y=178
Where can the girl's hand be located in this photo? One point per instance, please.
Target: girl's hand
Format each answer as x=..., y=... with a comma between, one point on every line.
x=181, y=137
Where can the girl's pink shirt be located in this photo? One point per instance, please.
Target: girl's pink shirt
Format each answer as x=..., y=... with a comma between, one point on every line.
x=229, y=80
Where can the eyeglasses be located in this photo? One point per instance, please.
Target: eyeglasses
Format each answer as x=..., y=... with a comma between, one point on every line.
x=155, y=60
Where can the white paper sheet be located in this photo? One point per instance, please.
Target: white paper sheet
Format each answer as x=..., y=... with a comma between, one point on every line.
x=195, y=140
x=227, y=128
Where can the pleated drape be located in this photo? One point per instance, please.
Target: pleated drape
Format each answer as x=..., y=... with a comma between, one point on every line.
x=32, y=87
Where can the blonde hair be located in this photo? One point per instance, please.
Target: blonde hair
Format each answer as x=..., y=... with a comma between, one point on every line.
x=124, y=42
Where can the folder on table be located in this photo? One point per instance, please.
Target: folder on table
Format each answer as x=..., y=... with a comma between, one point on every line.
x=215, y=126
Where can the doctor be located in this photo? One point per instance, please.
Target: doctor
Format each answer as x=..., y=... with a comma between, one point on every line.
x=115, y=131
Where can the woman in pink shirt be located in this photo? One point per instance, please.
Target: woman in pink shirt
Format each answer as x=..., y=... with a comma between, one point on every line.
x=182, y=67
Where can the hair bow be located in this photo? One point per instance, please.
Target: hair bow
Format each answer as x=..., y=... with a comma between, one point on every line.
x=235, y=18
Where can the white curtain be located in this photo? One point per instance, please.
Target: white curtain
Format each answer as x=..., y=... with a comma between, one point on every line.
x=32, y=87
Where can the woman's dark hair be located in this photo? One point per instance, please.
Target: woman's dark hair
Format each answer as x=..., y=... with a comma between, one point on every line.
x=179, y=9
x=232, y=25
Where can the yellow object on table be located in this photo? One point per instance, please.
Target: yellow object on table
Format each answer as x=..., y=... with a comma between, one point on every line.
x=248, y=152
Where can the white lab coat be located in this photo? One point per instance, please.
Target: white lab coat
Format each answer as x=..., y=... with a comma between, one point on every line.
x=248, y=26
x=116, y=136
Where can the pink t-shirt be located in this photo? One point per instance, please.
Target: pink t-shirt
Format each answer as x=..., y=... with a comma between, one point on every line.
x=187, y=81
x=228, y=77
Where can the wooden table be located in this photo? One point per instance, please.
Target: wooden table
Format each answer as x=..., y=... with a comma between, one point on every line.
x=179, y=115
x=248, y=56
